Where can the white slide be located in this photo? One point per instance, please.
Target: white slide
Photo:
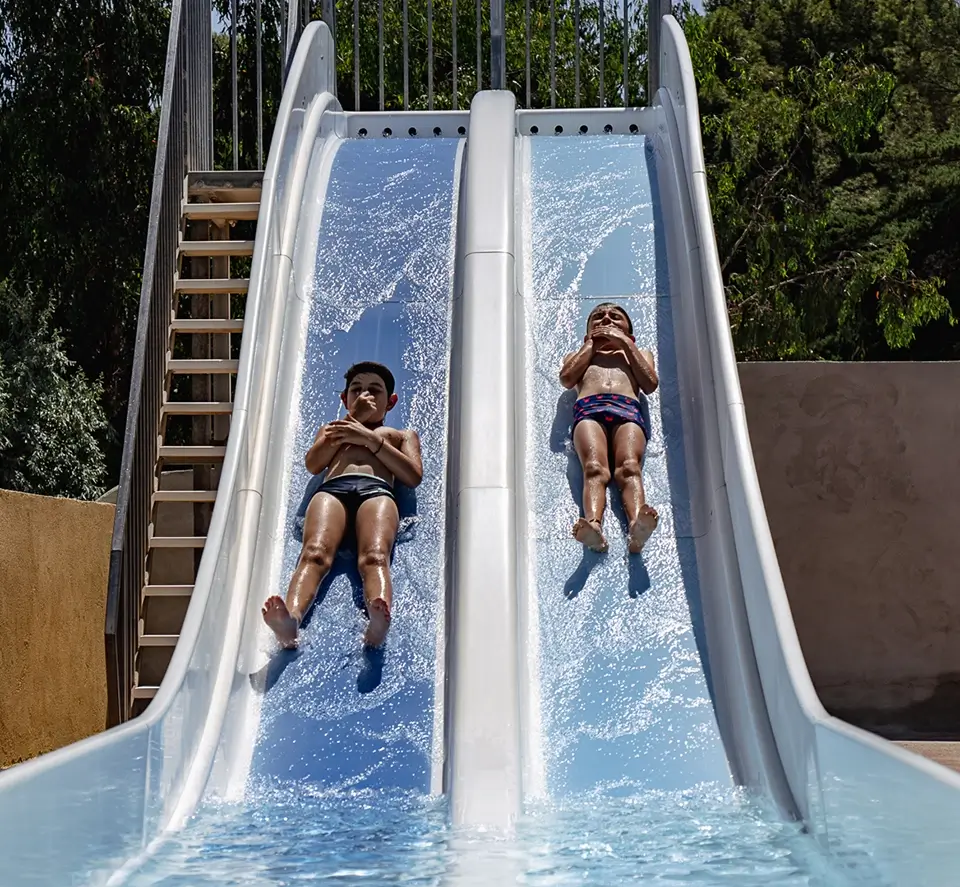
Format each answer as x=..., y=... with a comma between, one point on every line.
x=522, y=673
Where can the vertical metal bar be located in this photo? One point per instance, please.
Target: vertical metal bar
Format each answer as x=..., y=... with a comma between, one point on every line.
x=429, y=54
x=526, y=37
x=656, y=10
x=553, y=53
x=626, y=53
x=479, y=45
x=233, y=78
x=453, y=42
x=602, y=49
x=497, y=59
x=406, y=57
x=356, y=55
x=576, y=53
x=380, y=48
x=259, y=86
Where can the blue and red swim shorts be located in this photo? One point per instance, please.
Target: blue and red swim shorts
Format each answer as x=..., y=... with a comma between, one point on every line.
x=610, y=410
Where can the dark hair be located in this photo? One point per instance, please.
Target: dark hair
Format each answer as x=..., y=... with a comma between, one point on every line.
x=371, y=366
x=612, y=305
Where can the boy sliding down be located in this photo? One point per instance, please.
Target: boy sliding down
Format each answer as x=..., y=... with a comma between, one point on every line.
x=609, y=371
x=362, y=458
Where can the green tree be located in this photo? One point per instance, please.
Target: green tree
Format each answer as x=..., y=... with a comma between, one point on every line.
x=80, y=82
x=831, y=134
x=51, y=418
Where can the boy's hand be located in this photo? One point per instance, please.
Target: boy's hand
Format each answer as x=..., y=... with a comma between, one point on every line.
x=352, y=431
x=612, y=334
x=363, y=407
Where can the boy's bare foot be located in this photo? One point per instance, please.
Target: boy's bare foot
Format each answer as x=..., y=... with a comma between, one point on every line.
x=642, y=528
x=376, y=633
x=283, y=625
x=588, y=533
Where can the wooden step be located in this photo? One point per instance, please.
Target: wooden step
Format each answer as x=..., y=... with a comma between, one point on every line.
x=225, y=185
x=208, y=365
x=945, y=753
x=216, y=247
x=196, y=408
x=167, y=590
x=207, y=325
x=222, y=212
x=211, y=285
x=184, y=496
x=177, y=541
x=144, y=692
x=159, y=640
x=192, y=454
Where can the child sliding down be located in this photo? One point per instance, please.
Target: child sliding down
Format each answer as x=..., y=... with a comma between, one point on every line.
x=609, y=371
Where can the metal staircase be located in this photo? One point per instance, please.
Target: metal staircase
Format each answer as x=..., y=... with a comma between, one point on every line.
x=217, y=229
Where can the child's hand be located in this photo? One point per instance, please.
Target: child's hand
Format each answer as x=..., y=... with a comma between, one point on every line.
x=352, y=431
x=363, y=407
x=612, y=334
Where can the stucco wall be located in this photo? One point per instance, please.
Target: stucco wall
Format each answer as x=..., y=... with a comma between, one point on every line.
x=859, y=465
x=53, y=582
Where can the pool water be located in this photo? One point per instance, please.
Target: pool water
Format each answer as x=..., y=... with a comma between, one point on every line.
x=295, y=833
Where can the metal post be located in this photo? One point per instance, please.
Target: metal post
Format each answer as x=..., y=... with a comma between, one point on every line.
x=656, y=10
x=576, y=53
x=498, y=73
x=259, y=87
x=233, y=78
x=553, y=54
x=380, y=49
x=453, y=47
x=526, y=37
x=602, y=103
x=356, y=55
x=626, y=53
x=406, y=57
x=479, y=45
x=429, y=54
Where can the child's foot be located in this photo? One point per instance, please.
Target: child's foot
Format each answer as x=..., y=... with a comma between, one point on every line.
x=588, y=533
x=283, y=625
x=642, y=528
x=376, y=633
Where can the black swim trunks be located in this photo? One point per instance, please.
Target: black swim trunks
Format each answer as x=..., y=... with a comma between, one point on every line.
x=355, y=489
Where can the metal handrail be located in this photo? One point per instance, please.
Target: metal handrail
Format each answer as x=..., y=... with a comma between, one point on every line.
x=184, y=142
x=589, y=20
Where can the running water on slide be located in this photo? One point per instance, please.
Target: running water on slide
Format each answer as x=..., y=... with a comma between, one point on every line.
x=350, y=742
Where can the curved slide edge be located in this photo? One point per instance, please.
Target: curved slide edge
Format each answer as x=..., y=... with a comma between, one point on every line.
x=860, y=795
x=84, y=812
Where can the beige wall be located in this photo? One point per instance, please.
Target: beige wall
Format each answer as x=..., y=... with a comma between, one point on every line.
x=54, y=556
x=859, y=465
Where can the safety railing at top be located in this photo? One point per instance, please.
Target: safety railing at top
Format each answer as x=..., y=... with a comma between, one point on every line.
x=400, y=55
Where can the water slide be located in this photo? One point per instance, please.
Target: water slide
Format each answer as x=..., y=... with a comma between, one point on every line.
x=540, y=713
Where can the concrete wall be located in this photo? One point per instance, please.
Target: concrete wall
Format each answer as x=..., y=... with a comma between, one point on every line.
x=54, y=555
x=859, y=465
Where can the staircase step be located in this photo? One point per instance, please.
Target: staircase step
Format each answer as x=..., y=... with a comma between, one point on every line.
x=144, y=692
x=196, y=408
x=159, y=640
x=192, y=454
x=216, y=247
x=177, y=541
x=209, y=365
x=224, y=212
x=211, y=285
x=225, y=185
x=207, y=325
x=184, y=496
x=167, y=590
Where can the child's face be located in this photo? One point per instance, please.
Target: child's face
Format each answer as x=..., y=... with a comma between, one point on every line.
x=608, y=315
x=371, y=387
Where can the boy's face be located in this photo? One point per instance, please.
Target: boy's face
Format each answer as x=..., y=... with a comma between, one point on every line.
x=608, y=315
x=373, y=390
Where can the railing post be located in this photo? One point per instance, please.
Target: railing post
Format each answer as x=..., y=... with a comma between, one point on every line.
x=498, y=61
x=656, y=10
